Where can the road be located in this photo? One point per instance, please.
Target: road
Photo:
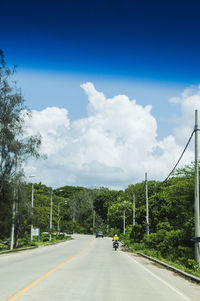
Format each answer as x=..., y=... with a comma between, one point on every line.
x=87, y=269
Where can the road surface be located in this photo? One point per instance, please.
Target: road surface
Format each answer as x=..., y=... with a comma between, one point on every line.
x=88, y=269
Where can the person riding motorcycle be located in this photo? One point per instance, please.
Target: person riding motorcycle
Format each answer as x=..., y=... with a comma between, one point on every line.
x=115, y=239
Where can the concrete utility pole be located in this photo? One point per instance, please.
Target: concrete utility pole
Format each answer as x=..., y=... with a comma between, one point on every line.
x=147, y=205
x=50, y=226
x=59, y=218
x=12, y=238
x=58, y=224
x=93, y=220
x=73, y=217
x=196, y=201
x=124, y=219
x=133, y=210
x=13, y=224
x=108, y=219
x=32, y=198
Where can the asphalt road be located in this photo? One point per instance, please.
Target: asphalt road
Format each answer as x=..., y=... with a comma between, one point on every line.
x=86, y=269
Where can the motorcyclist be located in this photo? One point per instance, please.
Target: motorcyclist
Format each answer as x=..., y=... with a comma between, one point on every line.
x=115, y=239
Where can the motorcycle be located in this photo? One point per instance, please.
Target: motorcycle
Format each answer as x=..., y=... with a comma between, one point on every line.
x=115, y=245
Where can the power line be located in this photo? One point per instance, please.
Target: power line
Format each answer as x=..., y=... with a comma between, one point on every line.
x=180, y=157
x=177, y=161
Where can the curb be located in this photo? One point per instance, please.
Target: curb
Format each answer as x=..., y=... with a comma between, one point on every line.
x=29, y=248
x=16, y=250
x=170, y=267
x=54, y=243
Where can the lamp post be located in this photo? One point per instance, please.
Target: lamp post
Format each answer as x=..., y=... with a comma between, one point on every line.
x=50, y=223
x=94, y=217
x=51, y=203
x=147, y=205
x=58, y=225
x=124, y=218
x=133, y=210
x=32, y=199
x=108, y=218
x=13, y=224
x=196, y=194
x=12, y=238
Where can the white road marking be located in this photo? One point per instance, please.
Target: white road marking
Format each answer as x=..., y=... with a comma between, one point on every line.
x=158, y=278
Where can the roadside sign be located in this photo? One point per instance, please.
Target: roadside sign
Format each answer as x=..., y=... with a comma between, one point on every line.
x=36, y=232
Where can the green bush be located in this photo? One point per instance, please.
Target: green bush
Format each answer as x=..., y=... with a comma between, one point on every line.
x=191, y=264
x=61, y=236
x=44, y=237
x=137, y=233
x=25, y=241
x=4, y=244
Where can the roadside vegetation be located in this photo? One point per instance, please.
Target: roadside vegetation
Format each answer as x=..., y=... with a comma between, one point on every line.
x=26, y=242
x=171, y=213
x=77, y=209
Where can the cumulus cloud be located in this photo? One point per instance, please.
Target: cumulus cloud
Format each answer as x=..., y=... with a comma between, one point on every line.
x=53, y=125
x=113, y=146
x=189, y=101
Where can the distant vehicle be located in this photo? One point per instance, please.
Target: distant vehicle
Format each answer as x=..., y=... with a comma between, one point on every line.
x=99, y=234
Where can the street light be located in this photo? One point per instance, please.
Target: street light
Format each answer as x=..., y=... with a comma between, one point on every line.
x=108, y=218
x=124, y=218
x=58, y=226
x=32, y=198
x=147, y=205
x=133, y=210
x=50, y=226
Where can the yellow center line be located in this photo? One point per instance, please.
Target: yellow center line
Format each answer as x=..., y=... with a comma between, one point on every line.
x=28, y=287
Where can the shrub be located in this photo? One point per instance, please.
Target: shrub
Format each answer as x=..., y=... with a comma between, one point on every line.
x=61, y=236
x=137, y=233
x=44, y=237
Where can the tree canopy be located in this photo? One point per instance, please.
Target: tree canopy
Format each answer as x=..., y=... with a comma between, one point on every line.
x=15, y=146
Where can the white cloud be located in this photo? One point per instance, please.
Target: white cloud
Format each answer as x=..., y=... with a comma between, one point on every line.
x=113, y=146
x=53, y=125
x=189, y=102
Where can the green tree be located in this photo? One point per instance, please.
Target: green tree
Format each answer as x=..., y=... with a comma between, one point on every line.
x=171, y=212
x=15, y=146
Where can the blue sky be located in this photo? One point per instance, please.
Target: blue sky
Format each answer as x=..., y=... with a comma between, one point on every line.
x=142, y=39
x=147, y=50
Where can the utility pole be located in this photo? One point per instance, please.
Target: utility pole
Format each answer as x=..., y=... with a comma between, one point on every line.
x=12, y=238
x=59, y=217
x=147, y=205
x=50, y=226
x=93, y=220
x=133, y=210
x=124, y=219
x=58, y=225
x=73, y=208
x=108, y=218
x=196, y=201
x=73, y=217
x=13, y=224
x=32, y=198
x=58, y=222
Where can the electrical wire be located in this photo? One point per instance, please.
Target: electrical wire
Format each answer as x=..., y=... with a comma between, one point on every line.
x=177, y=161
x=180, y=157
